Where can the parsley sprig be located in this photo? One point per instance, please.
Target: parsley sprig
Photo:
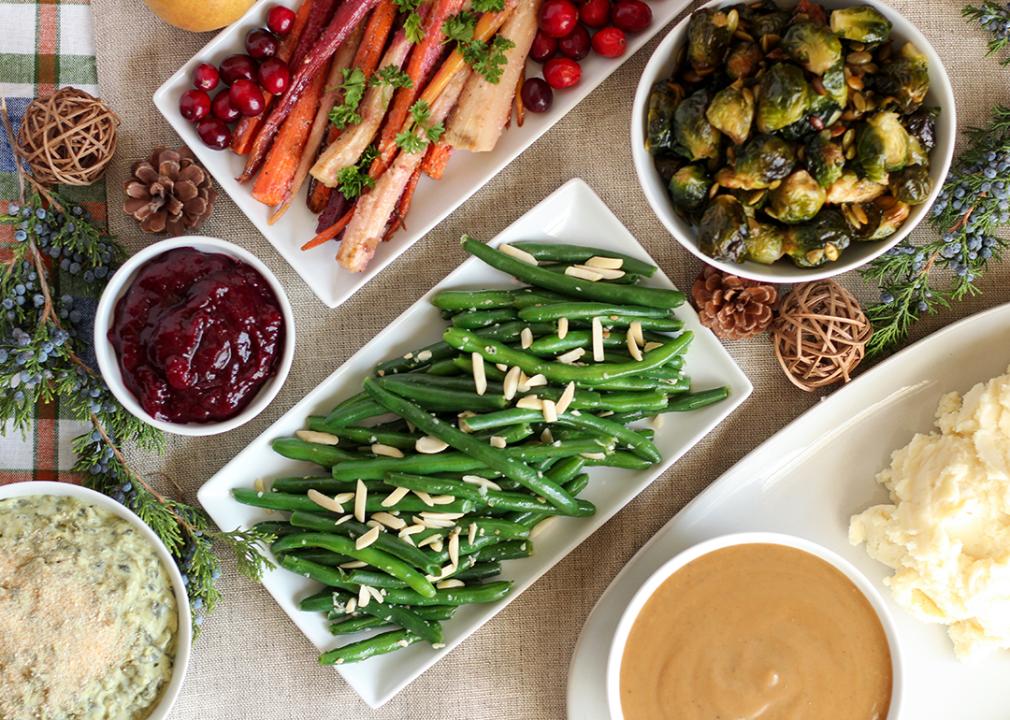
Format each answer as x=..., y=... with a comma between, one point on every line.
x=412, y=24
x=353, y=180
x=353, y=87
x=422, y=131
x=488, y=58
x=392, y=76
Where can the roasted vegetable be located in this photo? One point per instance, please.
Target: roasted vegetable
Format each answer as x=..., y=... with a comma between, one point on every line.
x=689, y=187
x=723, y=229
x=911, y=185
x=922, y=126
x=663, y=101
x=784, y=97
x=905, y=79
x=824, y=159
x=813, y=46
x=732, y=112
x=834, y=85
x=882, y=145
x=765, y=242
x=708, y=37
x=667, y=165
x=762, y=160
x=850, y=188
x=798, y=199
x=764, y=18
x=861, y=23
x=743, y=60
x=819, y=241
x=882, y=218
x=696, y=138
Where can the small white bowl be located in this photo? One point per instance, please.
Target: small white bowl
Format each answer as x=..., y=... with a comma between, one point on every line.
x=661, y=65
x=108, y=362
x=184, y=632
x=668, y=568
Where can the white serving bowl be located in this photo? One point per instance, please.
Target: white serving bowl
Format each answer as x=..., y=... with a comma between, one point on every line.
x=184, y=633
x=108, y=362
x=666, y=570
x=661, y=65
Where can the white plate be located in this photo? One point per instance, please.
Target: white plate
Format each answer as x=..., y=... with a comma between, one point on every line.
x=807, y=480
x=467, y=172
x=573, y=213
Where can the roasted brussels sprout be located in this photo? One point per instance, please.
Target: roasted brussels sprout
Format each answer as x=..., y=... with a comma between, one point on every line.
x=819, y=241
x=905, y=79
x=860, y=23
x=663, y=101
x=850, y=188
x=723, y=229
x=760, y=162
x=824, y=159
x=882, y=145
x=813, y=46
x=764, y=19
x=879, y=219
x=732, y=112
x=708, y=37
x=784, y=97
x=765, y=242
x=695, y=136
x=834, y=85
x=798, y=199
x=922, y=126
x=667, y=165
x=689, y=187
x=911, y=185
x=743, y=60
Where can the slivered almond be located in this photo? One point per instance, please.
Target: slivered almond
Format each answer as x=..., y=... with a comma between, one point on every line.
x=386, y=450
x=605, y=273
x=430, y=540
x=471, y=534
x=445, y=572
x=633, y=346
x=394, y=497
x=319, y=438
x=481, y=482
x=429, y=445
x=594, y=455
x=437, y=545
x=597, y=339
x=325, y=501
x=411, y=530
x=518, y=253
x=541, y=526
x=443, y=499
x=450, y=583
x=259, y=487
x=502, y=367
x=635, y=328
x=341, y=520
x=550, y=410
x=389, y=520
x=372, y=523
x=650, y=346
x=454, y=547
x=530, y=402
x=377, y=595
x=364, y=597
x=424, y=355
x=350, y=606
x=656, y=422
x=427, y=515
x=583, y=273
x=479, y=378
x=497, y=441
x=536, y=381
x=526, y=338
x=566, y=398
x=367, y=538
x=511, y=382
x=360, y=496
x=598, y=261
x=546, y=436
x=425, y=497
x=353, y=565
x=571, y=356
x=562, y=328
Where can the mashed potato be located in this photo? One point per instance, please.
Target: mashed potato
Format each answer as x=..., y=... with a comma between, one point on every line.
x=946, y=532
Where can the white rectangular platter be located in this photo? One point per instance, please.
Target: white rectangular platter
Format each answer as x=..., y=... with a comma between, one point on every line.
x=467, y=172
x=807, y=480
x=572, y=213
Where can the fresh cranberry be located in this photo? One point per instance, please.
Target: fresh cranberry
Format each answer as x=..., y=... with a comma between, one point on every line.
x=610, y=42
x=537, y=95
x=194, y=105
x=274, y=76
x=576, y=44
x=206, y=77
x=223, y=109
x=236, y=67
x=246, y=97
x=543, y=47
x=280, y=19
x=595, y=13
x=562, y=72
x=214, y=133
x=261, y=44
x=631, y=15
x=558, y=17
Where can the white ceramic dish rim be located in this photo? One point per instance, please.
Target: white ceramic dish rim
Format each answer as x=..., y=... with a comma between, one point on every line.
x=184, y=633
x=677, y=562
x=165, y=99
x=210, y=495
x=108, y=363
x=941, y=94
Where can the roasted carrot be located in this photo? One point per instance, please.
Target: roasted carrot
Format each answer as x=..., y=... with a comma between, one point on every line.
x=520, y=108
x=436, y=159
x=336, y=205
x=403, y=205
x=348, y=16
x=319, y=15
x=245, y=131
x=331, y=232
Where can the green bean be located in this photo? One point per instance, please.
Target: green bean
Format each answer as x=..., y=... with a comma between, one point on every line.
x=273, y=527
x=327, y=485
x=405, y=618
x=364, y=649
x=460, y=300
x=585, y=375
x=329, y=576
x=320, y=557
x=563, y=252
x=372, y=578
x=291, y=502
x=575, y=287
x=317, y=602
x=510, y=550
x=439, y=397
x=530, y=518
x=468, y=595
x=443, y=368
x=683, y=403
x=324, y=455
x=587, y=311
x=479, y=571
x=474, y=319
x=349, y=625
x=352, y=413
x=377, y=558
x=464, y=383
x=511, y=434
x=621, y=459
x=625, y=279
x=646, y=383
x=363, y=436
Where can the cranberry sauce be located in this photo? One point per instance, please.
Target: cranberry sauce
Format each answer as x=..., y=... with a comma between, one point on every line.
x=197, y=334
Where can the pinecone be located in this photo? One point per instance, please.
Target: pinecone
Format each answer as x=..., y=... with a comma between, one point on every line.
x=169, y=192
x=732, y=307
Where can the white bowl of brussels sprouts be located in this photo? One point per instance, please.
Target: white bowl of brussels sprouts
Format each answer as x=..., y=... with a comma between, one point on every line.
x=794, y=141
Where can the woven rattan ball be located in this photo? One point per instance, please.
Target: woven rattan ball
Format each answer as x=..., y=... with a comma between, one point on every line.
x=820, y=334
x=68, y=137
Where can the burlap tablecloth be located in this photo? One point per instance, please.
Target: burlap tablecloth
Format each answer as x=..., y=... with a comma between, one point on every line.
x=251, y=661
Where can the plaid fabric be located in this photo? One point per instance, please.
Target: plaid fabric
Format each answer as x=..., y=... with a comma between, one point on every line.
x=45, y=45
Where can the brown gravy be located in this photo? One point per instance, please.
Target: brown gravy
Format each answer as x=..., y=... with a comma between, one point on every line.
x=757, y=632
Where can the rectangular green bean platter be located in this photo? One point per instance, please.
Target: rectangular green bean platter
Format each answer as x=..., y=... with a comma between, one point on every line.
x=571, y=215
